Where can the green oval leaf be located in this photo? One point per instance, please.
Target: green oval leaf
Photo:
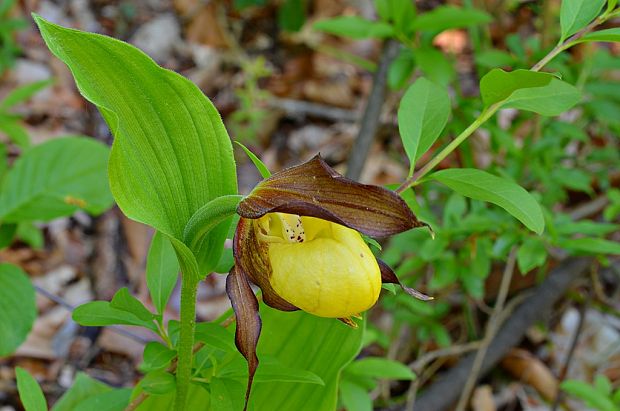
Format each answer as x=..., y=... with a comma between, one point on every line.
x=383, y=368
x=30, y=392
x=449, y=17
x=542, y=93
x=576, y=14
x=171, y=153
x=355, y=27
x=422, y=116
x=55, y=179
x=480, y=185
x=610, y=35
x=17, y=308
x=101, y=313
x=162, y=271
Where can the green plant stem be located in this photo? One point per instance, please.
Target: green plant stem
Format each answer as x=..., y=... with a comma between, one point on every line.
x=189, y=287
x=483, y=117
x=489, y=111
x=571, y=41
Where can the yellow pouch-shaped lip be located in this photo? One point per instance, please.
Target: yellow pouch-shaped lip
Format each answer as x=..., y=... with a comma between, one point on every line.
x=331, y=273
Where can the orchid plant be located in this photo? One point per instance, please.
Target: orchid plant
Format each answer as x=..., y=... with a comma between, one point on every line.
x=302, y=233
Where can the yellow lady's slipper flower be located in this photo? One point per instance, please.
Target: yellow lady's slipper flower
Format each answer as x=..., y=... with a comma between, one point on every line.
x=299, y=240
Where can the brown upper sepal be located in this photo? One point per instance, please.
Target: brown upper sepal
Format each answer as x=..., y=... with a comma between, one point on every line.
x=315, y=189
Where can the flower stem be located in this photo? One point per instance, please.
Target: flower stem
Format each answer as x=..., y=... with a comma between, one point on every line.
x=189, y=286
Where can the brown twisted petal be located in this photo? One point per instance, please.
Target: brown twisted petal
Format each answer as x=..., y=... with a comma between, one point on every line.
x=315, y=189
x=388, y=276
x=245, y=305
x=252, y=256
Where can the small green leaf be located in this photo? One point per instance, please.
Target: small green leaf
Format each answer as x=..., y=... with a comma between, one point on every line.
x=381, y=368
x=123, y=300
x=100, y=313
x=576, y=14
x=260, y=166
x=292, y=15
x=215, y=336
x=449, y=17
x=17, y=308
x=401, y=69
x=162, y=269
x=113, y=400
x=355, y=27
x=23, y=93
x=422, y=116
x=590, y=395
x=13, y=128
x=531, y=254
x=542, y=93
x=435, y=65
x=226, y=395
x=30, y=392
x=354, y=397
x=597, y=246
x=158, y=382
x=83, y=388
x=586, y=227
x=156, y=356
x=7, y=234
x=609, y=35
x=38, y=189
x=480, y=185
x=30, y=234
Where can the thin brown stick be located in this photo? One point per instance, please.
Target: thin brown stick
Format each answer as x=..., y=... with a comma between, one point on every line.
x=372, y=112
x=571, y=353
x=492, y=328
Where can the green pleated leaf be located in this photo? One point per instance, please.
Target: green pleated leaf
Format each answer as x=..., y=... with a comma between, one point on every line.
x=480, y=185
x=299, y=340
x=55, y=179
x=171, y=153
x=422, y=116
x=576, y=14
x=30, y=392
x=542, y=93
x=17, y=308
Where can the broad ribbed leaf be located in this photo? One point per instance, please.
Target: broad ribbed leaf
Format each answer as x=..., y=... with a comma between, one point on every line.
x=542, y=93
x=55, y=179
x=315, y=189
x=480, y=185
x=114, y=400
x=17, y=308
x=101, y=313
x=171, y=153
x=299, y=340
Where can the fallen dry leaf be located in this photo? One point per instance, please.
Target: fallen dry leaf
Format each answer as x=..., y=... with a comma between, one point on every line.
x=529, y=369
